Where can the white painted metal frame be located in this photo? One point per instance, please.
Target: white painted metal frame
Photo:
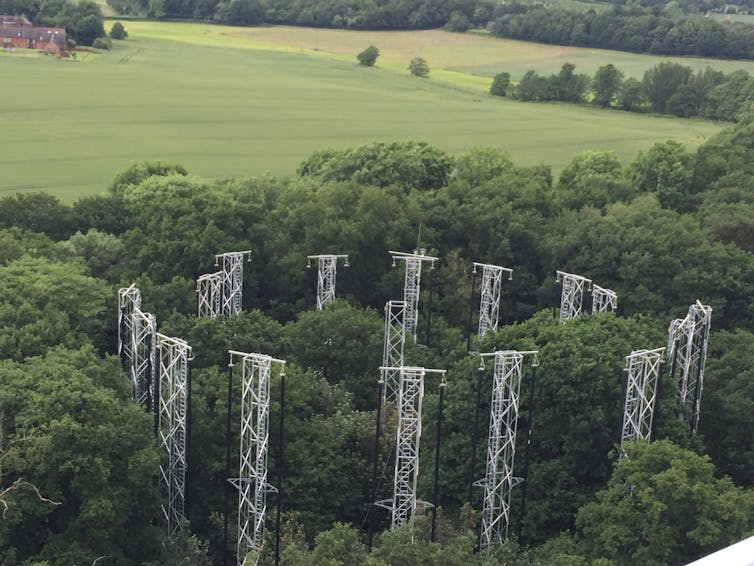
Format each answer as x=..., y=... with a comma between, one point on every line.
x=501, y=445
x=129, y=299
x=412, y=285
x=643, y=368
x=687, y=342
x=393, y=347
x=327, y=267
x=142, y=368
x=408, y=436
x=174, y=356
x=489, y=302
x=232, y=280
x=603, y=300
x=209, y=293
x=572, y=296
x=254, y=445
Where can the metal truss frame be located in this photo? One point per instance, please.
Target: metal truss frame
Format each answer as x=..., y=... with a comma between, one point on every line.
x=412, y=285
x=327, y=267
x=232, y=280
x=643, y=368
x=142, y=368
x=572, y=296
x=254, y=445
x=174, y=356
x=408, y=434
x=129, y=300
x=687, y=348
x=489, y=304
x=209, y=293
x=603, y=300
x=501, y=445
x=393, y=347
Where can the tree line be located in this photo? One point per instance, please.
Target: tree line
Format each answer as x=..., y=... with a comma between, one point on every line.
x=626, y=28
x=668, y=228
x=667, y=88
x=83, y=21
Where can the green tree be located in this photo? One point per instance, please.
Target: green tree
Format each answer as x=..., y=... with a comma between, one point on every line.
x=662, y=82
x=664, y=505
x=606, y=84
x=458, y=22
x=88, y=29
x=500, y=84
x=632, y=95
x=593, y=178
x=118, y=31
x=368, y=57
x=665, y=169
x=418, y=67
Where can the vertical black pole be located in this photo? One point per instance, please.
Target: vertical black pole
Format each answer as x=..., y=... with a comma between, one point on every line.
x=227, y=463
x=429, y=307
x=471, y=312
x=436, y=494
x=281, y=448
x=527, y=449
x=622, y=403
x=475, y=433
x=188, y=439
x=377, y=428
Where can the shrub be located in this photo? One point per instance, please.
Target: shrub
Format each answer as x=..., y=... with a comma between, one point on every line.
x=419, y=67
x=500, y=84
x=458, y=23
x=118, y=31
x=369, y=56
x=102, y=43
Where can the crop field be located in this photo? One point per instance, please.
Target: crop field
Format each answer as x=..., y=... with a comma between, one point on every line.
x=228, y=101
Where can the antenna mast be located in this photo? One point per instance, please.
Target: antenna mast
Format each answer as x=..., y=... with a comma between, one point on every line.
x=489, y=305
x=643, y=367
x=393, y=347
x=572, y=297
x=252, y=476
x=327, y=265
x=412, y=285
x=603, y=300
x=501, y=445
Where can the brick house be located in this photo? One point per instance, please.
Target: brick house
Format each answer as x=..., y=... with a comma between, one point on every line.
x=17, y=32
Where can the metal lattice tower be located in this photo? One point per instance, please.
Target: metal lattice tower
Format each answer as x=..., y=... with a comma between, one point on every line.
x=501, y=445
x=252, y=476
x=142, y=368
x=412, y=285
x=687, y=349
x=393, y=346
x=489, y=305
x=174, y=355
x=327, y=265
x=129, y=300
x=408, y=434
x=209, y=293
x=603, y=300
x=232, y=280
x=572, y=297
x=643, y=367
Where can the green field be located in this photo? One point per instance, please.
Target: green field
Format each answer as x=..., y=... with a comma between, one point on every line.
x=232, y=101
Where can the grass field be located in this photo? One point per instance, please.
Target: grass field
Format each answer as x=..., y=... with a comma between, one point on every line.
x=231, y=102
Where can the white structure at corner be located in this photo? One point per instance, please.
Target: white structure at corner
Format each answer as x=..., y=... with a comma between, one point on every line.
x=327, y=268
x=489, y=302
x=412, y=285
x=572, y=296
x=221, y=292
x=393, y=347
x=643, y=368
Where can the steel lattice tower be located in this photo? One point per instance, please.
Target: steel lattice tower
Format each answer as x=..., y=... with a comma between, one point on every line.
x=643, y=367
x=412, y=286
x=174, y=355
x=501, y=446
x=209, y=293
x=408, y=434
x=393, y=346
x=232, y=280
x=142, y=369
x=129, y=300
x=603, y=300
x=489, y=304
x=687, y=348
x=327, y=265
x=252, y=476
x=572, y=297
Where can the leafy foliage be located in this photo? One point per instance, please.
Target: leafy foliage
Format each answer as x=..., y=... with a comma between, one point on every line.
x=419, y=67
x=368, y=57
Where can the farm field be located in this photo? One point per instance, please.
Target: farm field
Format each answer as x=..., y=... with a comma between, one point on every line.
x=232, y=102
